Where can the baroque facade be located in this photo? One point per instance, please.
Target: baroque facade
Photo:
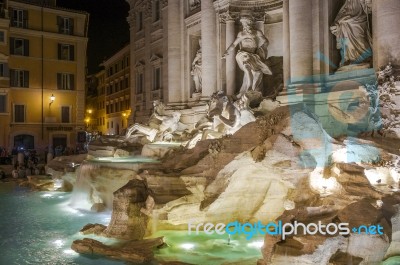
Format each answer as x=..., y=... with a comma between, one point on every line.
x=303, y=50
x=42, y=83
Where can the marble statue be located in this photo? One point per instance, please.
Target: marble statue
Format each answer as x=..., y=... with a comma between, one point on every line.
x=246, y=114
x=353, y=38
x=223, y=117
x=251, y=55
x=160, y=125
x=196, y=70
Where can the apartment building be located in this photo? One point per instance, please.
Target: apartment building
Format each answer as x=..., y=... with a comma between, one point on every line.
x=42, y=79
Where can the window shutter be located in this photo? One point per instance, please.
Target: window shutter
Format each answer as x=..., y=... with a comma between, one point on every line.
x=71, y=26
x=71, y=52
x=12, y=45
x=59, y=51
x=59, y=23
x=11, y=12
x=26, y=47
x=72, y=81
x=12, y=78
x=25, y=18
x=26, y=78
x=59, y=86
x=6, y=72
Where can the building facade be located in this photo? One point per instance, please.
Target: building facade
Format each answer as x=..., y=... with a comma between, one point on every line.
x=43, y=57
x=302, y=52
x=117, y=91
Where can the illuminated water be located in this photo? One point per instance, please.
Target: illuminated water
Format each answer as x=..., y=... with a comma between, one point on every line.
x=39, y=227
x=128, y=159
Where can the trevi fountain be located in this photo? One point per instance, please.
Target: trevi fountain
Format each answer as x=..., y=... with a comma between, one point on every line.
x=254, y=180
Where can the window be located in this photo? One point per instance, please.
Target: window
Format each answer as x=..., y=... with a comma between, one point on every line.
x=19, y=78
x=65, y=114
x=104, y=121
x=2, y=36
x=19, y=18
x=19, y=113
x=3, y=103
x=4, y=70
x=139, y=83
x=19, y=46
x=116, y=86
x=126, y=82
x=65, y=25
x=66, y=52
x=157, y=10
x=127, y=103
x=140, y=21
x=108, y=125
x=157, y=79
x=65, y=81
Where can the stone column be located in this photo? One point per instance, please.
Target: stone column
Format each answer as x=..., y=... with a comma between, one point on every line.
x=386, y=33
x=209, y=47
x=260, y=21
x=132, y=62
x=174, y=51
x=286, y=44
x=230, y=59
x=301, y=40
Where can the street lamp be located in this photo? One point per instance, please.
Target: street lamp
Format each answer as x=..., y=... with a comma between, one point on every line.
x=87, y=120
x=52, y=98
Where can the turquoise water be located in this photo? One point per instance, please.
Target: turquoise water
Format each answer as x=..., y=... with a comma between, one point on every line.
x=39, y=227
x=205, y=249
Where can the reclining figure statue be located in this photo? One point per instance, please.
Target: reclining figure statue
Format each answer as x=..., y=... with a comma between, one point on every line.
x=226, y=118
x=160, y=126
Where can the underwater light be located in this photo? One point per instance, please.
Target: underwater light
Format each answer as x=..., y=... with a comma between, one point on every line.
x=47, y=195
x=256, y=244
x=58, y=243
x=187, y=246
x=69, y=252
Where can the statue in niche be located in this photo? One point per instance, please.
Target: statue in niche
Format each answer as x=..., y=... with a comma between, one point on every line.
x=353, y=38
x=160, y=126
x=193, y=4
x=196, y=70
x=251, y=55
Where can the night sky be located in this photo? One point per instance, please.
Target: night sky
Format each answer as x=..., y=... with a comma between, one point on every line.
x=108, y=28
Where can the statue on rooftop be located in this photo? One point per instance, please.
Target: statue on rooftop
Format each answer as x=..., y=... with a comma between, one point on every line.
x=251, y=55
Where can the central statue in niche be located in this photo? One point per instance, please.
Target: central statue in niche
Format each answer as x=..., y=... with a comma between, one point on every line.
x=353, y=38
x=251, y=55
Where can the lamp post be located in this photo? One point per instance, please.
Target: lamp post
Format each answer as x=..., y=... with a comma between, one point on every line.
x=52, y=98
x=87, y=121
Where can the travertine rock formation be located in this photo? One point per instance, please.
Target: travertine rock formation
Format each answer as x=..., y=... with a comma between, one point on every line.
x=127, y=221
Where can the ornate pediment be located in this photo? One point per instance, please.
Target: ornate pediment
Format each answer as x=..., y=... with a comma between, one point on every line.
x=139, y=66
x=156, y=60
